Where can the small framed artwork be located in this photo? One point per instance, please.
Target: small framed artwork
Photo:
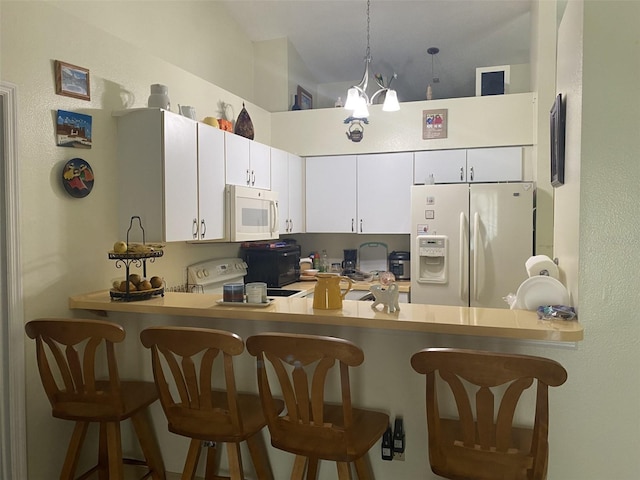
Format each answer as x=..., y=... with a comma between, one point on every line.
x=557, y=129
x=305, y=100
x=72, y=81
x=73, y=129
x=434, y=123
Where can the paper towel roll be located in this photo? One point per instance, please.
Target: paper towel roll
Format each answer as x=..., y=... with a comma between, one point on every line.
x=541, y=265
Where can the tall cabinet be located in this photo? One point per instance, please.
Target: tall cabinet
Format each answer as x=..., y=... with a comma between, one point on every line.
x=171, y=175
x=287, y=179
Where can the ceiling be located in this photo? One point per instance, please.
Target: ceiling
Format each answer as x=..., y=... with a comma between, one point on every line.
x=330, y=36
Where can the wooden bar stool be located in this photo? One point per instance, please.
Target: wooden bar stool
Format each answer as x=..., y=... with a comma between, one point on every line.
x=66, y=354
x=485, y=446
x=311, y=428
x=197, y=411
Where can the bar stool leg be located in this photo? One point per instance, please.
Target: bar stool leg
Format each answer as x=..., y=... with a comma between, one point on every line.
x=73, y=451
x=193, y=455
x=114, y=450
x=363, y=468
x=344, y=471
x=235, y=461
x=299, y=466
x=149, y=444
x=312, y=469
x=259, y=456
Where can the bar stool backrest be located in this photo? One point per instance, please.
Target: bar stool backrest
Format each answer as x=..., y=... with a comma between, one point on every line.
x=481, y=444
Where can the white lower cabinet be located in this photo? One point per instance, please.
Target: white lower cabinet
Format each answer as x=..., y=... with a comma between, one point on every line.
x=359, y=194
x=165, y=160
x=287, y=180
x=473, y=165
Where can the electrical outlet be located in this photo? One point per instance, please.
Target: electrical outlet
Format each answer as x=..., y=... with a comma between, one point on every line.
x=398, y=456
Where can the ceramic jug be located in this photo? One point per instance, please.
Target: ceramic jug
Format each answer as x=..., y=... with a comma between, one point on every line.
x=327, y=295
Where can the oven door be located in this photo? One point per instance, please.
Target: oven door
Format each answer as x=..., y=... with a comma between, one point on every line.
x=253, y=214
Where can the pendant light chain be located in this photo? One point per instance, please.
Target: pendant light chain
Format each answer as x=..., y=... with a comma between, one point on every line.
x=368, y=29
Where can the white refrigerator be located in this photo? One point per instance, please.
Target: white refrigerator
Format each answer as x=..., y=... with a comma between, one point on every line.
x=470, y=242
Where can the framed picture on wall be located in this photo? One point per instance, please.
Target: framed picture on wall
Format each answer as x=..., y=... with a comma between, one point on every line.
x=305, y=100
x=557, y=129
x=72, y=81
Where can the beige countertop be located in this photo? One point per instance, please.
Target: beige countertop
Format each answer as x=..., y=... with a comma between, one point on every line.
x=309, y=285
x=486, y=322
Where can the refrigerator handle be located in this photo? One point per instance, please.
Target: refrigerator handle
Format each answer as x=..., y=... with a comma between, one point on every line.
x=461, y=262
x=476, y=244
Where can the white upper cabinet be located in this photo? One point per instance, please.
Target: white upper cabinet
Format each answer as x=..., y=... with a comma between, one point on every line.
x=445, y=166
x=159, y=155
x=248, y=163
x=503, y=164
x=287, y=180
x=331, y=194
x=211, y=183
x=500, y=164
x=363, y=194
x=384, y=192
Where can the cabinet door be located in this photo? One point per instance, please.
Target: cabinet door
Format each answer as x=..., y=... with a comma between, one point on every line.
x=502, y=164
x=210, y=183
x=180, y=177
x=296, y=194
x=280, y=184
x=237, y=159
x=331, y=194
x=384, y=192
x=259, y=165
x=446, y=166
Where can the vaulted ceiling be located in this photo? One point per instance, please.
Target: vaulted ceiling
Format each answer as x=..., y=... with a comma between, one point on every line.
x=330, y=36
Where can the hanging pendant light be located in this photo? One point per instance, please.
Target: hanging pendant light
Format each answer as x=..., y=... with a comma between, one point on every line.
x=358, y=100
x=433, y=51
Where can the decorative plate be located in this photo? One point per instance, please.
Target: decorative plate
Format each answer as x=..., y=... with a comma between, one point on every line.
x=77, y=178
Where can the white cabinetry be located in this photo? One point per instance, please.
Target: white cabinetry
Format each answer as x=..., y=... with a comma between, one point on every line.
x=248, y=163
x=500, y=164
x=384, y=192
x=331, y=194
x=159, y=154
x=363, y=194
x=287, y=180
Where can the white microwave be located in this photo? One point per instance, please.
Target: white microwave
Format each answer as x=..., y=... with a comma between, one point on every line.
x=252, y=213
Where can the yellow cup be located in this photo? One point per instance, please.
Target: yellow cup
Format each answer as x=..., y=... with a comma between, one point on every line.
x=213, y=121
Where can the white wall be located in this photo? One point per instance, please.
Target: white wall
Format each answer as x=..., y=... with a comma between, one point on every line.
x=65, y=240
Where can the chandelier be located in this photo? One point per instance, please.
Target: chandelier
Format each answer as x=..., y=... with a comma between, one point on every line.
x=357, y=98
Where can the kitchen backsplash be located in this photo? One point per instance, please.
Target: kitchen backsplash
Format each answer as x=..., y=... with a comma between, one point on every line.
x=177, y=256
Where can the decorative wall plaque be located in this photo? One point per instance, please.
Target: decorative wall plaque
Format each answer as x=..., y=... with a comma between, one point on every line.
x=434, y=123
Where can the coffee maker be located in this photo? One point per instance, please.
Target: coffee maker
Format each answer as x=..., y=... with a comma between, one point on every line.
x=350, y=261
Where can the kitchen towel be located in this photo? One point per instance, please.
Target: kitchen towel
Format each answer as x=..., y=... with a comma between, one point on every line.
x=541, y=265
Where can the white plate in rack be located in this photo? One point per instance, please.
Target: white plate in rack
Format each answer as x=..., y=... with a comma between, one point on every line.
x=540, y=290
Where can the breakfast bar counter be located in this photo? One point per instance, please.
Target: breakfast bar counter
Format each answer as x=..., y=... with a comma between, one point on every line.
x=484, y=322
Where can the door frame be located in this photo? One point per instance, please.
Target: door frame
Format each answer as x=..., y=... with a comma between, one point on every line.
x=13, y=442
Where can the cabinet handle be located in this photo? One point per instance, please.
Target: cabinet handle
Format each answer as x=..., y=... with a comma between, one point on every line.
x=194, y=229
x=203, y=229
x=461, y=174
x=248, y=177
x=290, y=225
x=360, y=225
x=471, y=173
x=352, y=225
x=253, y=177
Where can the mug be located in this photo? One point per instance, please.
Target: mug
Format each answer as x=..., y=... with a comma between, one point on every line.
x=187, y=111
x=256, y=292
x=233, y=292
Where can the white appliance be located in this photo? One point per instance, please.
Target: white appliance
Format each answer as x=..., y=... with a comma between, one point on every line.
x=469, y=242
x=252, y=214
x=210, y=275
